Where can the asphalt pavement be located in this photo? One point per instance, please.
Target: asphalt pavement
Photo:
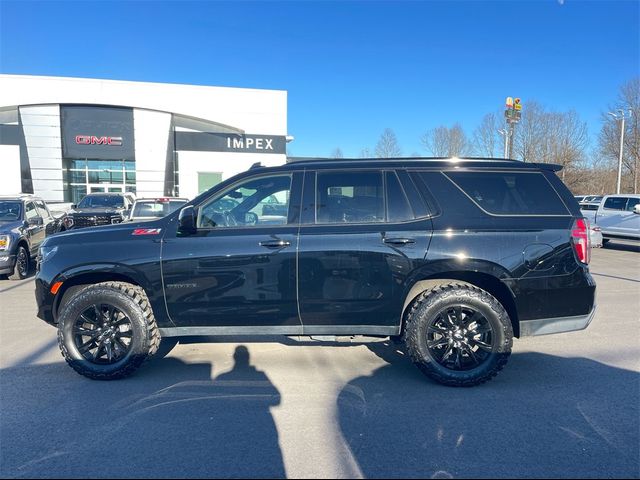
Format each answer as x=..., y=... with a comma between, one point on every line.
x=565, y=406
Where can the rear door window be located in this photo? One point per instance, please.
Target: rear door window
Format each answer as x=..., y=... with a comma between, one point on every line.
x=510, y=193
x=632, y=203
x=398, y=208
x=349, y=197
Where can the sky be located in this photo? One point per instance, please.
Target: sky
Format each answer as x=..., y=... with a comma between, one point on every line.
x=351, y=69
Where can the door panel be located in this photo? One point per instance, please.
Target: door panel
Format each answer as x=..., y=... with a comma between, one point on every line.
x=228, y=279
x=353, y=266
x=351, y=276
x=239, y=269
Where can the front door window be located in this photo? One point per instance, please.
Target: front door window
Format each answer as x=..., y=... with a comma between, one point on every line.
x=258, y=202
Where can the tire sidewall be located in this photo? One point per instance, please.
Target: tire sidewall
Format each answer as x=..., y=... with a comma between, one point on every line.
x=140, y=340
x=17, y=274
x=479, y=301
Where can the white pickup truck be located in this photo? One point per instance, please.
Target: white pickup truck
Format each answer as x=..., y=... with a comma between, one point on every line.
x=618, y=216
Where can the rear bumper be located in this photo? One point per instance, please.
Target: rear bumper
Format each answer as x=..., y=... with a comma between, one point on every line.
x=547, y=326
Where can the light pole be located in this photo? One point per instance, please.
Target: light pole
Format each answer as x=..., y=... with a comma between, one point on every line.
x=505, y=133
x=620, y=116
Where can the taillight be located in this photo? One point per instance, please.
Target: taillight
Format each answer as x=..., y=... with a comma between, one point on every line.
x=581, y=241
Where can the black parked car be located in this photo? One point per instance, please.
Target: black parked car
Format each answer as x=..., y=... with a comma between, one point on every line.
x=98, y=209
x=454, y=257
x=25, y=221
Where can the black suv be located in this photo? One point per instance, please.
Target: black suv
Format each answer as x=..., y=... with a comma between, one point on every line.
x=98, y=209
x=25, y=221
x=454, y=257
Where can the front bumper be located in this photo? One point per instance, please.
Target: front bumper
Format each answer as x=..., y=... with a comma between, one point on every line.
x=547, y=326
x=7, y=263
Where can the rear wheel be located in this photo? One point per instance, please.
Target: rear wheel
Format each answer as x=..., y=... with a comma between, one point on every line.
x=106, y=331
x=23, y=264
x=458, y=334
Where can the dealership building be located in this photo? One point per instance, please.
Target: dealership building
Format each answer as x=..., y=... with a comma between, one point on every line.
x=61, y=138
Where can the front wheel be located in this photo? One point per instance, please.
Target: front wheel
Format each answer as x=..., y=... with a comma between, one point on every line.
x=22, y=266
x=106, y=331
x=458, y=334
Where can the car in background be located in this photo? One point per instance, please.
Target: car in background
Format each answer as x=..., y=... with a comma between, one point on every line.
x=579, y=198
x=593, y=198
x=98, y=209
x=154, y=208
x=589, y=210
x=595, y=236
x=619, y=217
x=25, y=221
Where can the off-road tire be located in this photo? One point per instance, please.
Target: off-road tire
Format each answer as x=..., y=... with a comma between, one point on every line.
x=131, y=300
x=18, y=272
x=428, y=304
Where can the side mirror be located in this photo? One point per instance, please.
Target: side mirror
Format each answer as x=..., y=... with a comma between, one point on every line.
x=74, y=206
x=36, y=221
x=187, y=221
x=636, y=209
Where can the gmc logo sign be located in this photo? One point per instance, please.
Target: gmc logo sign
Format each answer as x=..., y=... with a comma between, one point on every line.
x=93, y=140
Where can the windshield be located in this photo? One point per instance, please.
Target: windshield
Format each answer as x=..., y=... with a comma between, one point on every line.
x=10, y=210
x=156, y=209
x=102, y=201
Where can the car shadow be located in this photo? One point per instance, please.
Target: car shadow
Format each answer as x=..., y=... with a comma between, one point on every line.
x=170, y=420
x=543, y=416
x=621, y=247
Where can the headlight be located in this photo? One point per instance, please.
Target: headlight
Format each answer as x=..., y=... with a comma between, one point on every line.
x=5, y=241
x=47, y=252
x=68, y=222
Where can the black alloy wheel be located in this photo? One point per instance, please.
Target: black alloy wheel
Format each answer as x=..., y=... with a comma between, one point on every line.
x=106, y=331
x=22, y=266
x=103, y=334
x=458, y=334
x=460, y=338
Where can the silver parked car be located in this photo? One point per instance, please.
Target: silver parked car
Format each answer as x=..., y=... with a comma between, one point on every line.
x=154, y=208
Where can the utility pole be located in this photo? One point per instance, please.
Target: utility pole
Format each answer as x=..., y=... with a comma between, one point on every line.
x=621, y=116
x=512, y=114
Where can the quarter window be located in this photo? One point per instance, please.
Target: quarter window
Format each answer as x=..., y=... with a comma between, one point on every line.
x=510, y=193
x=257, y=202
x=349, y=197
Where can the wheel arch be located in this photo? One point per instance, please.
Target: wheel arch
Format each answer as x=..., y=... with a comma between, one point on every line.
x=485, y=281
x=80, y=280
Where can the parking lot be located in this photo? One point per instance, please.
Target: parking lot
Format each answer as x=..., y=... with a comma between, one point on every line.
x=565, y=405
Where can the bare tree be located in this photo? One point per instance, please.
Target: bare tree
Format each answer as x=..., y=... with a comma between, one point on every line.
x=446, y=142
x=337, y=153
x=486, y=138
x=609, y=139
x=528, y=141
x=565, y=142
x=387, y=146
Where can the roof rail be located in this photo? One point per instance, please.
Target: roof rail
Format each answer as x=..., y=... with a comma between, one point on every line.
x=371, y=159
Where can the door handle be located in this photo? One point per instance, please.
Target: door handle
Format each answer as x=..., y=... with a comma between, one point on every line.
x=399, y=241
x=277, y=243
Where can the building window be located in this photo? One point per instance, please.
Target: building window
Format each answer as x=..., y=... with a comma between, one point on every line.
x=84, y=176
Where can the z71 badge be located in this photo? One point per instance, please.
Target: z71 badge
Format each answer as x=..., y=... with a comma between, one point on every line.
x=146, y=231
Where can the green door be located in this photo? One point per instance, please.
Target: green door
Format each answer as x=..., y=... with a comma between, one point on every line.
x=206, y=180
